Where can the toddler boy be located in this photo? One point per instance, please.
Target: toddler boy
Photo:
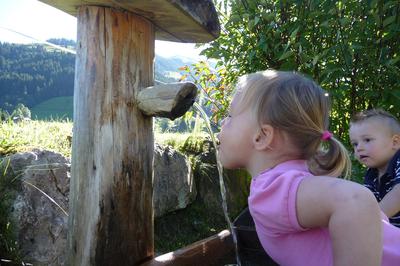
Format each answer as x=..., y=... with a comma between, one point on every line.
x=375, y=137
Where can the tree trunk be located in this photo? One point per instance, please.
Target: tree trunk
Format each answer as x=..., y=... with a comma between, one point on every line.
x=111, y=213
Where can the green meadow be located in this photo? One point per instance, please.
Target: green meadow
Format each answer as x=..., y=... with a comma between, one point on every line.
x=58, y=108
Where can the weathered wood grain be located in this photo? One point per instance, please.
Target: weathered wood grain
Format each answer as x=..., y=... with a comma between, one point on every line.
x=175, y=20
x=111, y=214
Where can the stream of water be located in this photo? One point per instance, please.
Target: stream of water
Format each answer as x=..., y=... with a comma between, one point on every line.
x=221, y=180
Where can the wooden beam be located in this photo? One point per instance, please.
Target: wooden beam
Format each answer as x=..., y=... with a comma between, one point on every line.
x=174, y=20
x=208, y=251
x=111, y=212
x=167, y=100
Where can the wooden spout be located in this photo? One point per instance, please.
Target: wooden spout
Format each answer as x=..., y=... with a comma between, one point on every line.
x=167, y=100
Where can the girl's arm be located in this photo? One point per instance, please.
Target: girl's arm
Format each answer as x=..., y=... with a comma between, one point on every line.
x=351, y=214
x=390, y=204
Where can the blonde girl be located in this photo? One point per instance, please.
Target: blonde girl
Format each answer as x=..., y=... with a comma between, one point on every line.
x=277, y=129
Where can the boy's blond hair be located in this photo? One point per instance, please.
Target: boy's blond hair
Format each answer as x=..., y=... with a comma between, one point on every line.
x=300, y=108
x=379, y=114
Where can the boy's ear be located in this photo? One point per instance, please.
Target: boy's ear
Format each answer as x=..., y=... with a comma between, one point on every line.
x=263, y=138
x=396, y=141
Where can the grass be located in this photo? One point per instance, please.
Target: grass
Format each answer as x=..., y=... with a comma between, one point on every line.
x=55, y=135
x=23, y=136
x=176, y=140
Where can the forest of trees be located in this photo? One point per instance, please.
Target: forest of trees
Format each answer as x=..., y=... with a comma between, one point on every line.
x=30, y=74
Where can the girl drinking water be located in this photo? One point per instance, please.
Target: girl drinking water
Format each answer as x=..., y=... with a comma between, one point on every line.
x=277, y=129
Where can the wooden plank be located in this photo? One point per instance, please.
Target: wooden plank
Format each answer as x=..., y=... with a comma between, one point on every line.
x=175, y=20
x=170, y=100
x=208, y=251
x=111, y=213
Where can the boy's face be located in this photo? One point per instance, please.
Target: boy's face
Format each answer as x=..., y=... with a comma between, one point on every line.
x=236, y=136
x=374, y=144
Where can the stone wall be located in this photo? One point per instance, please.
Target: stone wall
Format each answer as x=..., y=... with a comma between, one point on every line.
x=40, y=208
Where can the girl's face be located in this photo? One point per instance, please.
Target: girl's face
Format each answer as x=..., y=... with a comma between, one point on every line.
x=373, y=144
x=236, y=136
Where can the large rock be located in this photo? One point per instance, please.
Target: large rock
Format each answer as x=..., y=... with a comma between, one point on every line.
x=236, y=184
x=40, y=207
x=174, y=187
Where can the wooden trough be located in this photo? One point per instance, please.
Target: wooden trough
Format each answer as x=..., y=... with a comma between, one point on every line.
x=111, y=213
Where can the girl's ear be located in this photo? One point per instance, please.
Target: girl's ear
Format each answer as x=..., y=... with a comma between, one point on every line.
x=263, y=138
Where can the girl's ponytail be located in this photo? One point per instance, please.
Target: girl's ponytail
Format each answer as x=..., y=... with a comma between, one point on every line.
x=332, y=160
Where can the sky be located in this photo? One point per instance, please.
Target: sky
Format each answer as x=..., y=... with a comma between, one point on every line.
x=41, y=22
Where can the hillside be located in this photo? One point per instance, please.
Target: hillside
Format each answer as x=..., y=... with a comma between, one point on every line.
x=42, y=78
x=30, y=74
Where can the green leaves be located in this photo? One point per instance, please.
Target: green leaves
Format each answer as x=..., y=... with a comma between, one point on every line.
x=285, y=55
x=389, y=20
x=214, y=91
x=351, y=48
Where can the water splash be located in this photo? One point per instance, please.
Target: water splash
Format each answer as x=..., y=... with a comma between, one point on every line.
x=221, y=180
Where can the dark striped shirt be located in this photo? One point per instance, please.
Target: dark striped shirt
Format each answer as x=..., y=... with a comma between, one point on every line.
x=386, y=183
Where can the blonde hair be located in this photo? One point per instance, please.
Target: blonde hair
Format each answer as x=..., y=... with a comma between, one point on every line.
x=390, y=120
x=299, y=107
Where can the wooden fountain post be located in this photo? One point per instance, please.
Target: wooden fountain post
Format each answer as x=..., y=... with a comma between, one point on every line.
x=111, y=185
x=111, y=212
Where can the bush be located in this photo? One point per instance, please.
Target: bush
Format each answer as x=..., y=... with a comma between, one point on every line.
x=21, y=111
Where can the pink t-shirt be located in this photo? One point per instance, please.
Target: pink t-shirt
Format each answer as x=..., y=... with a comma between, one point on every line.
x=272, y=203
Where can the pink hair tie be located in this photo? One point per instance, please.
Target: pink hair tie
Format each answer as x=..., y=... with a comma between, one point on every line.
x=326, y=135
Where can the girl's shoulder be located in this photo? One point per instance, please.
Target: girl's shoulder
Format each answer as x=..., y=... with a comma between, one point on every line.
x=273, y=195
